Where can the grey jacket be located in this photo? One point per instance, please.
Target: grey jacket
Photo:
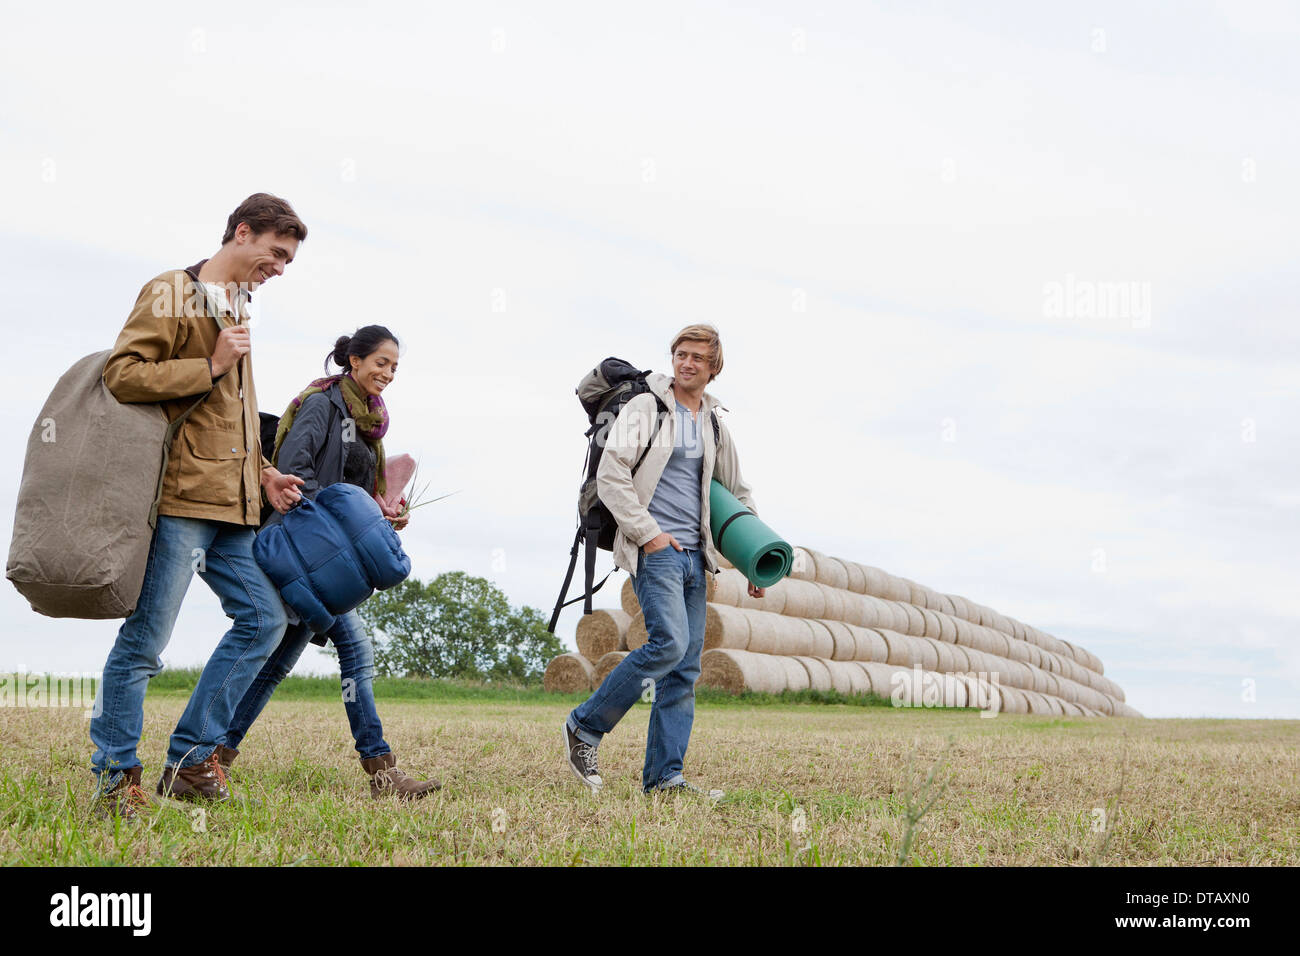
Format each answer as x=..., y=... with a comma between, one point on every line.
x=627, y=497
x=314, y=449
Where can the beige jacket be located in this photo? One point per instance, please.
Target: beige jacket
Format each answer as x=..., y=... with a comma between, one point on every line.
x=627, y=497
x=162, y=355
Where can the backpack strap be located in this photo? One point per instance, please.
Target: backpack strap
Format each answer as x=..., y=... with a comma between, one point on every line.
x=589, y=532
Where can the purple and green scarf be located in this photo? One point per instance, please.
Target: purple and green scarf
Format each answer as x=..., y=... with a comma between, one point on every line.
x=366, y=410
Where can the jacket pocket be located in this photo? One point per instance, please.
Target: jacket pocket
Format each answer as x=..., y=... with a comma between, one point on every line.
x=211, y=466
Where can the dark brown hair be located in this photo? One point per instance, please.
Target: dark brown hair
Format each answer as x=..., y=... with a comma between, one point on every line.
x=262, y=211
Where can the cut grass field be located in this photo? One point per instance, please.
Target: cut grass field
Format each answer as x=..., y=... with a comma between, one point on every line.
x=808, y=783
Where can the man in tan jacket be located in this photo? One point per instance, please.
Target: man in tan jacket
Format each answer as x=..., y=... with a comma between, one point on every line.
x=186, y=346
x=664, y=542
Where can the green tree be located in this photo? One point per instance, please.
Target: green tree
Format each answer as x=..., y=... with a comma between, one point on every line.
x=457, y=626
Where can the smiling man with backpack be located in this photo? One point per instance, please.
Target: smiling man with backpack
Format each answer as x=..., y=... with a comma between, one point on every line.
x=659, y=456
x=186, y=346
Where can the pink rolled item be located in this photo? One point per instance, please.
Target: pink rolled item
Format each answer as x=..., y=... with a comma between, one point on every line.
x=397, y=474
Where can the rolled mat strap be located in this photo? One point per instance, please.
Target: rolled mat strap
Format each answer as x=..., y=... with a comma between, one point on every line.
x=756, y=550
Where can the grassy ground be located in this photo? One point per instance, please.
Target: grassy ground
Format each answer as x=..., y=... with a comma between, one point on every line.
x=808, y=782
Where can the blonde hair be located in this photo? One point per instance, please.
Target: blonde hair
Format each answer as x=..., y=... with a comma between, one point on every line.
x=702, y=333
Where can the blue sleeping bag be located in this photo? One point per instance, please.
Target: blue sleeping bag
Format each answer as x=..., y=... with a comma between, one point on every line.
x=329, y=554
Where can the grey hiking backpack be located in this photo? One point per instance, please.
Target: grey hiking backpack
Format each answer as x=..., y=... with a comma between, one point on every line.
x=603, y=392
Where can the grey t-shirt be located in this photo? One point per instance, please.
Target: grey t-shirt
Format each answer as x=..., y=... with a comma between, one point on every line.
x=676, y=502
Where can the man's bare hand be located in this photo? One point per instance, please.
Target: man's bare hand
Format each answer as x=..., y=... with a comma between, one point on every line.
x=659, y=542
x=756, y=592
x=232, y=345
x=281, y=490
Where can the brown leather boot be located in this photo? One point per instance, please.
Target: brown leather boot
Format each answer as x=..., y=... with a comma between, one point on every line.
x=202, y=782
x=127, y=799
x=226, y=756
x=386, y=779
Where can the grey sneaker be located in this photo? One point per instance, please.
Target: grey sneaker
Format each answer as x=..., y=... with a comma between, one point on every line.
x=581, y=758
x=681, y=786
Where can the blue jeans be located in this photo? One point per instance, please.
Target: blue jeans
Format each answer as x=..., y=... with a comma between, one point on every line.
x=222, y=555
x=357, y=666
x=670, y=586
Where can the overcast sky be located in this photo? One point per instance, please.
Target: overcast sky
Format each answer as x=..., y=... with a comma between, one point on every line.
x=1007, y=293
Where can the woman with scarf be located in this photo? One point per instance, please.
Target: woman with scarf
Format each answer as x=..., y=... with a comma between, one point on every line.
x=333, y=431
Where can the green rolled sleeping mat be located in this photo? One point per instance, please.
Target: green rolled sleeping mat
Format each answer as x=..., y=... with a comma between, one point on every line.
x=756, y=550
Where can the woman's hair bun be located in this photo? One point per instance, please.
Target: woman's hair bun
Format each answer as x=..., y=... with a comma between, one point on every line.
x=340, y=353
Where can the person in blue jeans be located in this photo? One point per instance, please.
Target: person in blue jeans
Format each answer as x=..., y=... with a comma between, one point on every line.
x=186, y=347
x=333, y=431
x=664, y=541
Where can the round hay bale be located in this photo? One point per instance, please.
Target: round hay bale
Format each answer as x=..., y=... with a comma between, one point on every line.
x=803, y=566
x=606, y=664
x=959, y=607
x=735, y=671
x=928, y=653
x=1037, y=702
x=845, y=643
x=832, y=603
x=729, y=588
x=636, y=632
x=831, y=571
x=602, y=631
x=947, y=661
x=960, y=661
x=877, y=613
x=946, y=605
x=823, y=643
x=857, y=579
x=980, y=694
x=794, y=636
x=902, y=650
x=1011, y=649
x=932, y=627
x=915, y=593
x=1013, y=699
x=1037, y=656
x=915, y=621
x=881, y=678
x=763, y=635
x=870, y=645
x=857, y=609
x=803, y=599
x=819, y=675
x=627, y=598
x=847, y=679
x=965, y=636
x=876, y=581
x=796, y=678
x=953, y=691
x=898, y=589
x=725, y=626
x=1039, y=679
x=772, y=601
x=947, y=627
x=898, y=619
x=568, y=674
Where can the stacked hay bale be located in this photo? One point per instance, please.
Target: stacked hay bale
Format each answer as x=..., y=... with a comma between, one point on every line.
x=839, y=625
